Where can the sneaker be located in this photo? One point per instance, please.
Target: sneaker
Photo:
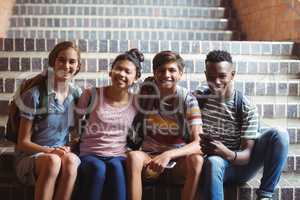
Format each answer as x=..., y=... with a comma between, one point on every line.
x=264, y=198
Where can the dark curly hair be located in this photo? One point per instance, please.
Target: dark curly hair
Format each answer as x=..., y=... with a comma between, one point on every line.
x=217, y=56
x=133, y=55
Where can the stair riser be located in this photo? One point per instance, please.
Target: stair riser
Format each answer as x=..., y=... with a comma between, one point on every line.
x=293, y=164
x=283, y=193
x=96, y=10
x=213, y=3
x=19, y=192
x=196, y=66
x=61, y=22
x=182, y=47
x=249, y=88
x=120, y=34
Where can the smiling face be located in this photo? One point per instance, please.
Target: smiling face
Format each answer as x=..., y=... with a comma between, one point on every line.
x=123, y=74
x=66, y=64
x=167, y=76
x=219, y=77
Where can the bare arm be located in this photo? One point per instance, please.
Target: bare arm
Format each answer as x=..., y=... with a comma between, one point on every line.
x=191, y=148
x=242, y=157
x=238, y=158
x=159, y=162
x=24, y=142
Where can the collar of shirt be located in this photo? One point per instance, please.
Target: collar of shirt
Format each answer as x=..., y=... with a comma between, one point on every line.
x=50, y=83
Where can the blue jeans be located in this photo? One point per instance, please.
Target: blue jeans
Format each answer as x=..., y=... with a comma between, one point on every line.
x=98, y=175
x=270, y=152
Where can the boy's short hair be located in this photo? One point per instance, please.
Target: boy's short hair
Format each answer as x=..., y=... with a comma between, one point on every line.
x=165, y=57
x=60, y=47
x=217, y=56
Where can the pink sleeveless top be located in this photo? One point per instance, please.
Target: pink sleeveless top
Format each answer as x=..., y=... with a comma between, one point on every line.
x=107, y=127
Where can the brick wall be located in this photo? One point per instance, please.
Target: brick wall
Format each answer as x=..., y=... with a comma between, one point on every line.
x=5, y=13
x=269, y=19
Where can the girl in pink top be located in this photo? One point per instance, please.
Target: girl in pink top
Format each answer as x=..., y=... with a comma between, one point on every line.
x=103, y=142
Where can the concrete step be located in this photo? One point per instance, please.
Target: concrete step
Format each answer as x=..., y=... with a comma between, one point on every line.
x=251, y=85
x=196, y=48
x=120, y=22
x=265, y=87
x=278, y=110
x=121, y=10
x=288, y=188
x=70, y=33
x=195, y=3
x=293, y=161
x=269, y=70
x=285, y=123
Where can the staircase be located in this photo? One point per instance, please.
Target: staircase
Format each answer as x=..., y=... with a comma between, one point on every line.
x=104, y=28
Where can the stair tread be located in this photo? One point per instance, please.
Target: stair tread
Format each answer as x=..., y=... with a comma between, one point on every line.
x=207, y=41
x=49, y=28
x=187, y=56
x=294, y=149
x=287, y=180
x=80, y=5
x=241, y=51
x=174, y=3
x=121, y=17
x=281, y=122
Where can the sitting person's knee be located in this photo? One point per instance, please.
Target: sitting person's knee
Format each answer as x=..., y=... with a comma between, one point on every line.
x=278, y=136
x=135, y=158
x=283, y=137
x=214, y=162
x=93, y=168
x=195, y=163
x=70, y=164
x=52, y=164
x=115, y=164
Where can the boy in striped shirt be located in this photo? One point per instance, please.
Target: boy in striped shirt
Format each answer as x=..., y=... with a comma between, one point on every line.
x=164, y=139
x=235, y=149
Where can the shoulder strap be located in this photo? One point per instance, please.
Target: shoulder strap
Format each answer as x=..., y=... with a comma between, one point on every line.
x=238, y=104
x=183, y=127
x=91, y=102
x=90, y=106
x=75, y=93
x=43, y=100
x=202, y=96
x=135, y=136
x=148, y=94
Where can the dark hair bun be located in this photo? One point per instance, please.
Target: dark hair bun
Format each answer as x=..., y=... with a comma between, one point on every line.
x=133, y=55
x=136, y=54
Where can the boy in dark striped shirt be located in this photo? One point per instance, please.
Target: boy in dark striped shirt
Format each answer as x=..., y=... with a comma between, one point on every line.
x=235, y=150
